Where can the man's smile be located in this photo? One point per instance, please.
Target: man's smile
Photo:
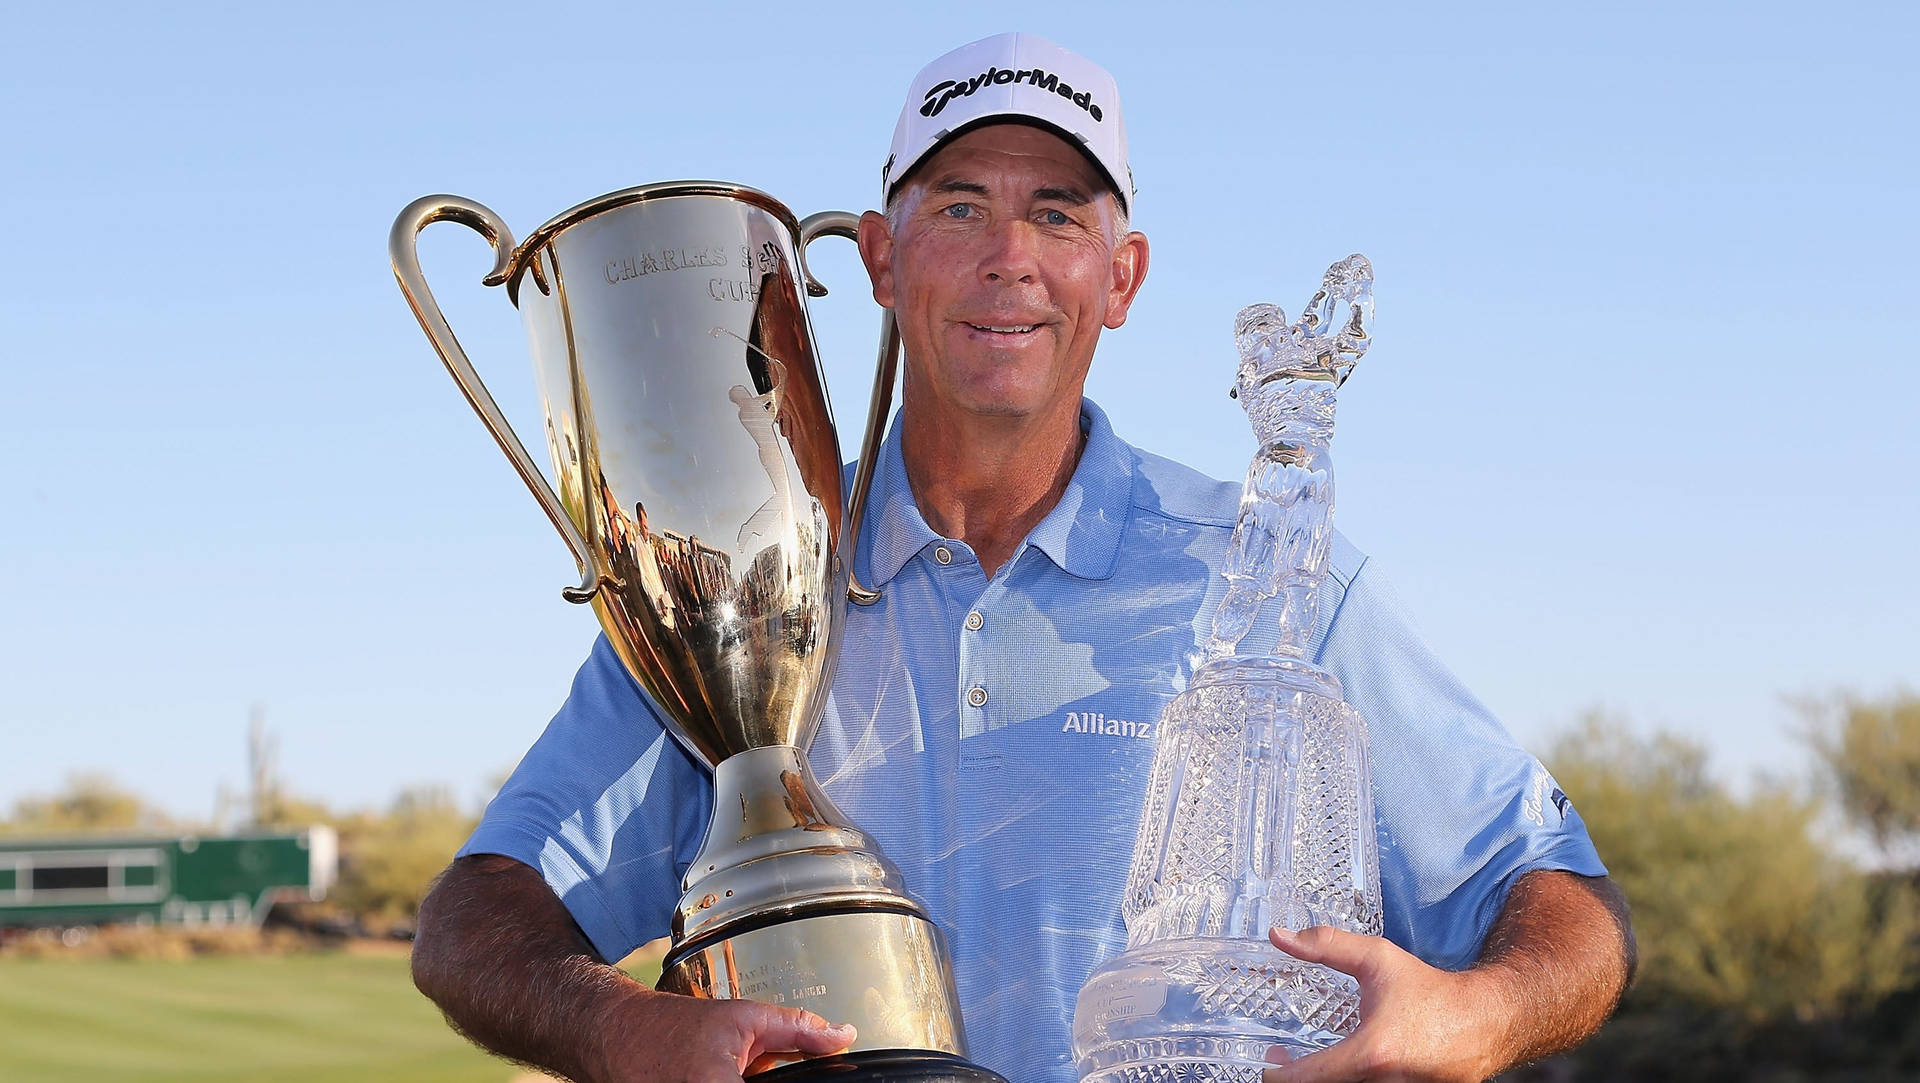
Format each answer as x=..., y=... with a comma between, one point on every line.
x=1002, y=332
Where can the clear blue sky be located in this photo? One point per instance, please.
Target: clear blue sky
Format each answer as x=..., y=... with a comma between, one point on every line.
x=1638, y=430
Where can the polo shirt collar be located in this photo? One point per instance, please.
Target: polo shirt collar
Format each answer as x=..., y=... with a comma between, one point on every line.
x=1081, y=534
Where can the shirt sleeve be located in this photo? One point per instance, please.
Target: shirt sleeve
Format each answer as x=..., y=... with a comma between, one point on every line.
x=1462, y=810
x=607, y=805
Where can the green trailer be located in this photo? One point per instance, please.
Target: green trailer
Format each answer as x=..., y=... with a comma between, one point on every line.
x=162, y=880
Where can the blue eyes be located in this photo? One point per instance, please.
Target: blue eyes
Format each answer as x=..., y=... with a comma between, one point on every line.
x=963, y=211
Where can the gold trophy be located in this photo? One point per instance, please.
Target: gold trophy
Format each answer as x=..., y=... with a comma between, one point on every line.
x=700, y=490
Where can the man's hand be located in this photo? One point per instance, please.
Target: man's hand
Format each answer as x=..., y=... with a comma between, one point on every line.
x=1416, y=1022
x=504, y=960
x=1550, y=972
x=676, y=1039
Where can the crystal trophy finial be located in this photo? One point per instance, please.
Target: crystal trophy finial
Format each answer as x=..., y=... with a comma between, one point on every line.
x=1259, y=809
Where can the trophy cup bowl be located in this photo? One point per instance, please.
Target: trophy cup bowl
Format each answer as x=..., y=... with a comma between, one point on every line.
x=700, y=490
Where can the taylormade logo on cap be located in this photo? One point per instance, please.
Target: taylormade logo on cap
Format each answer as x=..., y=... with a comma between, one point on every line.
x=1045, y=81
x=1014, y=77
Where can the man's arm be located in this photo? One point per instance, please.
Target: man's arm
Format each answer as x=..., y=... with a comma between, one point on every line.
x=1552, y=969
x=502, y=957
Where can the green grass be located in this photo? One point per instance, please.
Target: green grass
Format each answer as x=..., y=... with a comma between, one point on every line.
x=290, y=1019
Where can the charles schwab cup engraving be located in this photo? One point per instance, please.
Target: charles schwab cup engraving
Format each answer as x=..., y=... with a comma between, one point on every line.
x=681, y=258
x=698, y=478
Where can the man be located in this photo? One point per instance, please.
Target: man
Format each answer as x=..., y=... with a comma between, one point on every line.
x=1045, y=588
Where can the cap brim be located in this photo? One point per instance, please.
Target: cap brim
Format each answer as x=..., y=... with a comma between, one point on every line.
x=1031, y=121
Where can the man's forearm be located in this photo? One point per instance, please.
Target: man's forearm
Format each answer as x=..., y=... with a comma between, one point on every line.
x=502, y=957
x=1557, y=960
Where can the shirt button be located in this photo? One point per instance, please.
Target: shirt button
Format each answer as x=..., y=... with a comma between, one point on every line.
x=975, y=620
x=943, y=554
x=977, y=696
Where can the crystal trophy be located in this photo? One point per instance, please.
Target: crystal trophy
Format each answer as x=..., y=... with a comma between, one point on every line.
x=1259, y=809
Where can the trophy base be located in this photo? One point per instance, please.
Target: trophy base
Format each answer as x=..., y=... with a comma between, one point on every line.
x=880, y=970
x=881, y=1066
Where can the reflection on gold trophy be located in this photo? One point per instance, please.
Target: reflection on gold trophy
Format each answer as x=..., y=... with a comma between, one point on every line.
x=678, y=377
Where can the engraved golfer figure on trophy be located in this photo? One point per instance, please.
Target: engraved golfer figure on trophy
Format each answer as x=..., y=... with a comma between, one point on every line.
x=1258, y=810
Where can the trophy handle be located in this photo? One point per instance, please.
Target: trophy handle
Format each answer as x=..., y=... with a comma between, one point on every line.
x=844, y=224
x=402, y=247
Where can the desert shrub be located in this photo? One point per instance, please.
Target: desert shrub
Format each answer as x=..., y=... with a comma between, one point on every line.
x=388, y=860
x=1756, y=937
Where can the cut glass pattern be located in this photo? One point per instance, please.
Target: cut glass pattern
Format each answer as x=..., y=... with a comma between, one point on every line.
x=1259, y=808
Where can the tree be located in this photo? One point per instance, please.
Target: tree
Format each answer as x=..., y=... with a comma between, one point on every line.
x=90, y=802
x=1870, y=750
x=389, y=860
x=1737, y=905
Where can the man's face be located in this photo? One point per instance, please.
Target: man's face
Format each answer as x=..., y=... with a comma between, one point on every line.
x=1002, y=267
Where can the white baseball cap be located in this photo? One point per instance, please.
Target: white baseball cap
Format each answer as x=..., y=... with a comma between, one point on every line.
x=1020, y=77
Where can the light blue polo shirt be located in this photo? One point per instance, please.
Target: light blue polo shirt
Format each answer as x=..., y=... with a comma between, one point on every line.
x=1013, y=820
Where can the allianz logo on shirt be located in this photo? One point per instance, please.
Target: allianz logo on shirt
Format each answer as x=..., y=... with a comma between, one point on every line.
x=1097, y=724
